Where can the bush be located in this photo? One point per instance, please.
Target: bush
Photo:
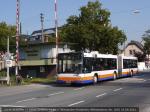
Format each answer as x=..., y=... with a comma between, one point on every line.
x=3, y=74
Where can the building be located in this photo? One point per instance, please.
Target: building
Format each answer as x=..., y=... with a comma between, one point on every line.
x=39, y=59
x=36, y=36
x=132, y=48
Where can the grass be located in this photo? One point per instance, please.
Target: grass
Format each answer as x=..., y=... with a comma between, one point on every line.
x=27, y=81
x=39, y=80
x=43, y=80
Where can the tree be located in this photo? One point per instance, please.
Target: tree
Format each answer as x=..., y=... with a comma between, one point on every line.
x=146, y=38
x=6, y=31
x=91, y=30
x=141, y=56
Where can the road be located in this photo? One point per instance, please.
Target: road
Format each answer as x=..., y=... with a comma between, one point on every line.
x=125, y=92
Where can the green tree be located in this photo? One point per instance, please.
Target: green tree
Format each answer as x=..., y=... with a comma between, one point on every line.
x=141, y=56
x=91, y=30
x=146, y=38
x=6, y=31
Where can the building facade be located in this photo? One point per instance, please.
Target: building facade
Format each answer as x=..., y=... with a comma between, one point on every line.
x=39, y=60
x=132, y=48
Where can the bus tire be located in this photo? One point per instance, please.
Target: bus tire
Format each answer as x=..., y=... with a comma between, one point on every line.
x=95, y=79
x=115, y=76
x=131, y=73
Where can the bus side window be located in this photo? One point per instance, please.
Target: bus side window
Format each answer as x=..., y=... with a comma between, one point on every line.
x=101, y=63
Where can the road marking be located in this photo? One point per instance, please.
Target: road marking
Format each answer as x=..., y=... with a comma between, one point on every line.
x=144, y=80
x=101, y=95
x=25, y=100
x=117, y=89
x=79, y=88
x=10, y=106
x=76, y=103
x=56, y=93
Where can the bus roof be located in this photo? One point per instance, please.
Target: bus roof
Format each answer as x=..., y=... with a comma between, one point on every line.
x=129, y=57
x=96, y=54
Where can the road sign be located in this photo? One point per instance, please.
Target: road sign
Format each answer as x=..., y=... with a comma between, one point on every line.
x=8, y=63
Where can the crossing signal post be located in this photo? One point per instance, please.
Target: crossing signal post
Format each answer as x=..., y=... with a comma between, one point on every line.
x=17, y=34
x=8, y=62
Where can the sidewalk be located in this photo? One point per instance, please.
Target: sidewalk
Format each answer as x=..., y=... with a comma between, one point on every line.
x=144, y=71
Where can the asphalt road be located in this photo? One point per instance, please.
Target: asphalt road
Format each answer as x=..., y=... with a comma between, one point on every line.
x=125, y=92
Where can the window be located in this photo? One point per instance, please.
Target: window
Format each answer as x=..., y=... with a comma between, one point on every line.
x=87, y=65
x=133, y=63
x=42, y=69
x=134, y=51
x=112, y=64
x=99, y=64
x=129, y=63
x=69, y=62
x=126, y=63
x=130, y=51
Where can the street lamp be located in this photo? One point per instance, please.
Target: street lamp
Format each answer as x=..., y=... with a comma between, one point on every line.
x=136, y=11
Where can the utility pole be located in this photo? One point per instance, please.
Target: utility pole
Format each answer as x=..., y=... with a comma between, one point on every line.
x=42, y=21
x=124, y=47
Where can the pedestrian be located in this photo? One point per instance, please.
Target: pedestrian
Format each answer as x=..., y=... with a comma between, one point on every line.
x=18, y=79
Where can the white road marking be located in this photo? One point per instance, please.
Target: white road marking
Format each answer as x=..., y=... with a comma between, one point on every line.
x=101, y=95
x=10, y=106
x=144, y=80
x=76, y=103
x=117, y=89
x=56, y=93
x=25, y=100
x=78, y=88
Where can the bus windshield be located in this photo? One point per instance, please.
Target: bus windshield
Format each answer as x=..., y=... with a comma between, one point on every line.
x=69, y=62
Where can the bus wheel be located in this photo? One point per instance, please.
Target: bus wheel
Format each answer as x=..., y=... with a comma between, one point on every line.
x=131, y=73
x=115, y=76
x=95, y=79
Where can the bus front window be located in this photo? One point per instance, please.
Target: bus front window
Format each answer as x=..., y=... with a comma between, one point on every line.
x=69, y=63
x=87, y=65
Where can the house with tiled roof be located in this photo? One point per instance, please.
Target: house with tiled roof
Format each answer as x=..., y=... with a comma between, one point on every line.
x=132, y=48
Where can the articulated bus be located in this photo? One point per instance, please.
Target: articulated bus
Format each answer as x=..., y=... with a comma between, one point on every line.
x=83, y=68
x=127, y=66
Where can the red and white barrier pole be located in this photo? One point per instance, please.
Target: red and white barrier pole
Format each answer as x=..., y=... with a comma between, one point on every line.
x=17, y=34
x=56, y=34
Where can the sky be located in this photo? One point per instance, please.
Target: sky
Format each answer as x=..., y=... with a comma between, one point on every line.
x=133, y=24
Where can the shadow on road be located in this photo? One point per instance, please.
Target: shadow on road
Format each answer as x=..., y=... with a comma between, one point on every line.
x=140, y=80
